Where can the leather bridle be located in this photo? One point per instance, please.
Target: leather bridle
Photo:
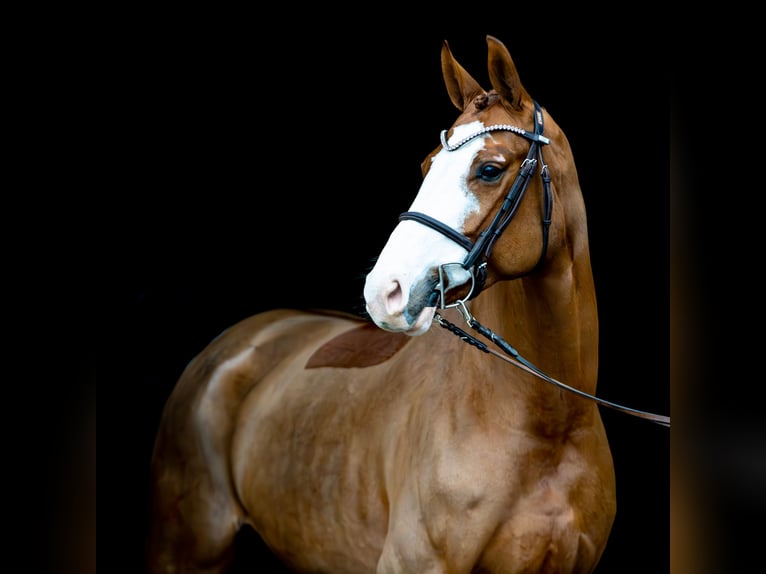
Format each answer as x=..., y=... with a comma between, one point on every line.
x=475, y=261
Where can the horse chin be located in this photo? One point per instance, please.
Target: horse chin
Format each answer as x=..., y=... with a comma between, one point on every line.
x=422, y=323
x=401, y=323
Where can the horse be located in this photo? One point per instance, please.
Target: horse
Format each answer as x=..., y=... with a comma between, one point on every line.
x=395, y=441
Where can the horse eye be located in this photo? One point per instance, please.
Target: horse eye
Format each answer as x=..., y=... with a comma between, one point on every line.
x=490, y=172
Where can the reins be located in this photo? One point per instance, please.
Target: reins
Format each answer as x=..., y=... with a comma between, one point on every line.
x=512, y=356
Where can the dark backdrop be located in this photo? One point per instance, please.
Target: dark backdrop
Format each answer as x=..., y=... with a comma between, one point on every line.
x=262, y=166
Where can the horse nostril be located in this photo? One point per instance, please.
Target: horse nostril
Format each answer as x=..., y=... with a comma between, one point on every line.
x=394, y=299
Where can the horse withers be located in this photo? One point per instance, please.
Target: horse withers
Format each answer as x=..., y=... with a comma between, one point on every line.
x=420, y=454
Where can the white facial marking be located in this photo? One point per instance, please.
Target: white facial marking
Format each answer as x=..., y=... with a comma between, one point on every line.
x=413, y=249
x=444, y=194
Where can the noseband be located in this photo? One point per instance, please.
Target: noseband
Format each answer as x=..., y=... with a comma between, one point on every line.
x=478, y=253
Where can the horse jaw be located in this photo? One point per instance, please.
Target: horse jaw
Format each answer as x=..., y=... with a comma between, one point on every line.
x=400, y=291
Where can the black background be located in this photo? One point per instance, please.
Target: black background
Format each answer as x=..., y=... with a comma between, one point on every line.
x=264, y=166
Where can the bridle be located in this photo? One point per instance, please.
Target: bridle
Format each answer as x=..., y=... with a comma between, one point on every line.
x=476, y=260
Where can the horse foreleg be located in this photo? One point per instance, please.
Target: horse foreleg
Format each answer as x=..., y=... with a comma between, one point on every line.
x=411, y=548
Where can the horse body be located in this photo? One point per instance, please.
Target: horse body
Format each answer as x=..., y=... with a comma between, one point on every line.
x=355, y=447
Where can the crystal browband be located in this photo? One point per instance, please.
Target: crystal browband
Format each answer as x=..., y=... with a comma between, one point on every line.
x=497, y=127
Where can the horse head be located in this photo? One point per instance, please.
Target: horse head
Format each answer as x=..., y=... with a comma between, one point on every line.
x=484, y=209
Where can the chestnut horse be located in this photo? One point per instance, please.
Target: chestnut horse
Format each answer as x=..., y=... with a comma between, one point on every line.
x=391, y=445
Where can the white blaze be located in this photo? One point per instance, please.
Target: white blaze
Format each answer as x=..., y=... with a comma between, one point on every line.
x=413, y=249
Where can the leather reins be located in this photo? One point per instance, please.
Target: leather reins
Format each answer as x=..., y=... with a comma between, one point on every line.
x=512, y=356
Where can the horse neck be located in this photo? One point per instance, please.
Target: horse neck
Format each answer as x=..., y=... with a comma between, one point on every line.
x=549, y=317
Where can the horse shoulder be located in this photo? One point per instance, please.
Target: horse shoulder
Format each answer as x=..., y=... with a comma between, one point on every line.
x=562, y=508
x=522, y=499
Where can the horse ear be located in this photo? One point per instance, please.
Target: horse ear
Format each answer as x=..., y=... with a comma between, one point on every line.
x=462, y=88
x=503, y=74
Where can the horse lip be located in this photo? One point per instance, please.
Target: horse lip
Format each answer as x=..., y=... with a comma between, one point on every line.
x=422, y=322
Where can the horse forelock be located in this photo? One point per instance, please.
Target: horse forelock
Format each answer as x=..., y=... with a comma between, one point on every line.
x=481, y=101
